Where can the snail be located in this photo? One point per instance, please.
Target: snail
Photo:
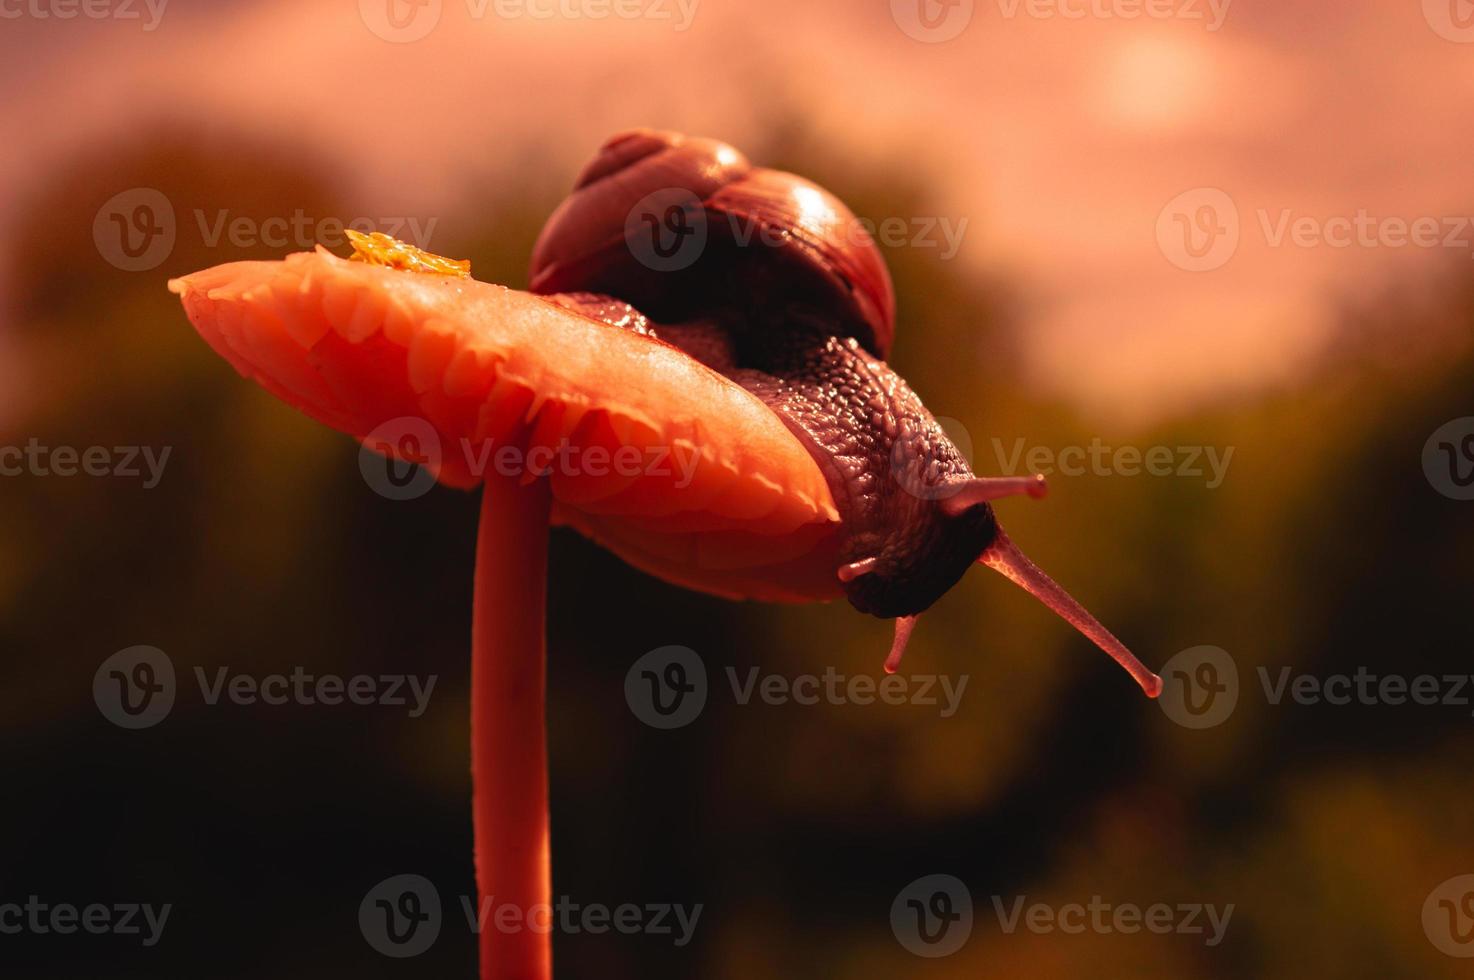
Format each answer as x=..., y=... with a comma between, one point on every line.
x=685, y=302
x=770, y=280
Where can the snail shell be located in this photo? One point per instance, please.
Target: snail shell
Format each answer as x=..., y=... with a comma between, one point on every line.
x=773, y=241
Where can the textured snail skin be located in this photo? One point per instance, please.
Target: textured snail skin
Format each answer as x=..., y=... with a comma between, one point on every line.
x=887, y=462
x=803, y=325
x=885, y=458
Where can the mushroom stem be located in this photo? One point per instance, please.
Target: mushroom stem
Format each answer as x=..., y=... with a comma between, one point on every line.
x=509, y=730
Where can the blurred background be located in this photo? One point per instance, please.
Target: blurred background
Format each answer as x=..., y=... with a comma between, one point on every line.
x=1194, y=228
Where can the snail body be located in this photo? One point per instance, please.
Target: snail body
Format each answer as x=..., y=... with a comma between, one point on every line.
x=801, y=315
x=770, y=280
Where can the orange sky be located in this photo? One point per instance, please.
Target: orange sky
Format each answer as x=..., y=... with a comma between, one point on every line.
x=1060, y=139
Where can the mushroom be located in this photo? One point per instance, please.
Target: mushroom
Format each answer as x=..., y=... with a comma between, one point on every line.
x=814, y=475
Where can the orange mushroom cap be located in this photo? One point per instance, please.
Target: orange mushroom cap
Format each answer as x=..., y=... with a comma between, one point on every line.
x=723, y=499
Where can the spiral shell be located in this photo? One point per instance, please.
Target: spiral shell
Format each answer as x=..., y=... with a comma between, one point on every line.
x=763, y=242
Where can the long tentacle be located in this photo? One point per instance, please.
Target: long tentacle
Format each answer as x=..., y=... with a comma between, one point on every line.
x=1003, y=556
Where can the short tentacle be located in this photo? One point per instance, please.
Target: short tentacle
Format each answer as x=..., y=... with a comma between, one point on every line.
x=904, y=626
x=852, y=571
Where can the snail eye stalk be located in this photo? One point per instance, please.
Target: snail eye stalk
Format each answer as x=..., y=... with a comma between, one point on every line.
x=982, y=489
x=904, y=626
x=1003, y=556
